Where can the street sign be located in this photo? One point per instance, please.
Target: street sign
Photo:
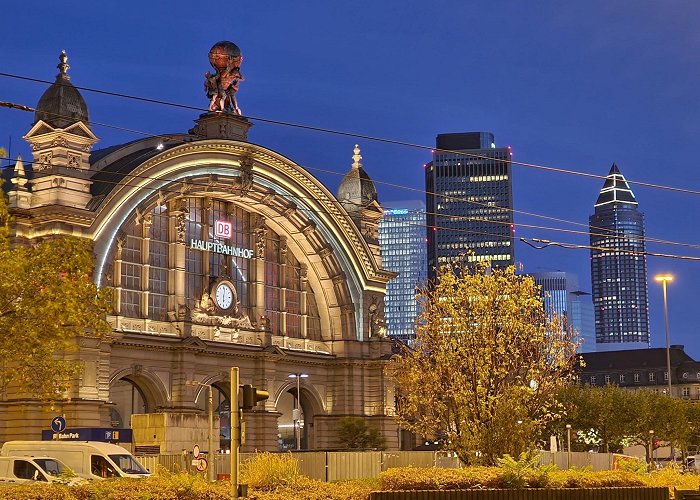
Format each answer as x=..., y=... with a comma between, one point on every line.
x=200, y=463
x=58, y=424
x=195, y=451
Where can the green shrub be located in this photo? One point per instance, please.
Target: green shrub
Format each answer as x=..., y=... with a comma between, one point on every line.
x=268, y=471
x=526, y=471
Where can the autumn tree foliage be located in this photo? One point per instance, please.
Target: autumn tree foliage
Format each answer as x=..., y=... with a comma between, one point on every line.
x=487, y=363
x=47, y=301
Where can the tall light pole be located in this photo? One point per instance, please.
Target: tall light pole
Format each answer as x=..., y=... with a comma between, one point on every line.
x=296, y=415
x=665, y=278
x=568, y=446
x=210, y=411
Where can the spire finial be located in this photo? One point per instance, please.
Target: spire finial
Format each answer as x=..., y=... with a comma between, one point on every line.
x=356, y=157
x=63, y=65
x=20, y=177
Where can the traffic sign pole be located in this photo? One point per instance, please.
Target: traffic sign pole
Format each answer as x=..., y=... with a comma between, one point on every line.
x=235, y=429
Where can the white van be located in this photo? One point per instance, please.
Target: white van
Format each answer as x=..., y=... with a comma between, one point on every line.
x=88, y=459
x=25, y=469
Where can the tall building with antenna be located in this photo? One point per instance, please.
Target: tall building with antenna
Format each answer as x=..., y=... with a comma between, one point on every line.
x=469, y=201
x=618, y=267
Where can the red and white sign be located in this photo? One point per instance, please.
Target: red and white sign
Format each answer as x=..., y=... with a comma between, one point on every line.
x=223, y=229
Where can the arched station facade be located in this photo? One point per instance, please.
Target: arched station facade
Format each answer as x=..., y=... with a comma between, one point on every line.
x=220, y=253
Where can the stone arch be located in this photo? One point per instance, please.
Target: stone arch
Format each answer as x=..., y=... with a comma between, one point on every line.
x=296, y=204
x=149, y=383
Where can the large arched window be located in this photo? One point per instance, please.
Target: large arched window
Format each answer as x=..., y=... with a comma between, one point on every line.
x=148, y=277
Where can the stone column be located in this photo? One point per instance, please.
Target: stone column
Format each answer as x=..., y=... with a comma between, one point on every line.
x=178, y=223
x=121, y=240
x=147, y=221
x=303, y=300
x=283, y=285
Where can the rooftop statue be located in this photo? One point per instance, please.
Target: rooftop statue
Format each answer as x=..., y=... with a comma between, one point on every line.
x=221, y=86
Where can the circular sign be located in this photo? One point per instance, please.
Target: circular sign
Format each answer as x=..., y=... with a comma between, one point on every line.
x=58, y=424
x=195, y=451
x=202, y=465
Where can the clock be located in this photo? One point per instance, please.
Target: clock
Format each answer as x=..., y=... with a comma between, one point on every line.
x=223, y=296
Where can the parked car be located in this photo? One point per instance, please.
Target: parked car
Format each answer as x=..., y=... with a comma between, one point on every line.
x=26, y=469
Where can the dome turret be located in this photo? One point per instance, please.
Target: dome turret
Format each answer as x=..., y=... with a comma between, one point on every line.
x=357, y=190
x=61, y=105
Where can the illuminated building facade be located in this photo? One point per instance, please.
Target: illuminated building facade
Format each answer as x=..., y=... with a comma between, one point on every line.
x=469, y=201
x=618, y=267
x=219, y=253
x=562, y=297
x=403, y=246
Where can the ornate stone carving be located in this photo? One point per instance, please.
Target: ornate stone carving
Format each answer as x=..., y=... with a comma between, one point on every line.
x=246, y=175
x=260, y=234
x=121, y=241
x=304, y=271
x=181, y=223
x=59, y=141
x=45, y=161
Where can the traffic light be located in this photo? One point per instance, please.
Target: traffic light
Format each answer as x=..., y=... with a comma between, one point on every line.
x=251, y=396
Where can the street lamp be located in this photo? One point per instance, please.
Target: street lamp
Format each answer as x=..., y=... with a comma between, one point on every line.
x=568, y=446
x=210, y=409
x=665, y=278
x=296, y=415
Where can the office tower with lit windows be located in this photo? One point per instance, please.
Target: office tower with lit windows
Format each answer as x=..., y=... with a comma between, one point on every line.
x=469, y=201
x=618, y=267
x=562, y=296
x=403, y=251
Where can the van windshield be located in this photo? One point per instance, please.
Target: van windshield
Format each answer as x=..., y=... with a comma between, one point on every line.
x=127, y=464
x=53, y=467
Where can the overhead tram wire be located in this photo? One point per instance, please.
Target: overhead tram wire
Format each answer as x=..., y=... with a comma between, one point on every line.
x=399, y=186
x=444, y=197
x=572, y=246
x=354, y=135
x=426, y=226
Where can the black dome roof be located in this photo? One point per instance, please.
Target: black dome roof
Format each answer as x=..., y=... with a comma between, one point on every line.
x=61, y=105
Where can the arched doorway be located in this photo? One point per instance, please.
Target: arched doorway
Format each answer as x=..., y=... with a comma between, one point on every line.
x=222, y=409
x=127, y=399
x=291, y=430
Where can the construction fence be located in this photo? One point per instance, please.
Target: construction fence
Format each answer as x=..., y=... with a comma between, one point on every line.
x=343, y=465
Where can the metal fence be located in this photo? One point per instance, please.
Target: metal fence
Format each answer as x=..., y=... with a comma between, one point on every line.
x=341, y=465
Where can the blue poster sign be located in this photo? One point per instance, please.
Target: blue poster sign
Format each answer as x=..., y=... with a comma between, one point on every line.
x=106, y=435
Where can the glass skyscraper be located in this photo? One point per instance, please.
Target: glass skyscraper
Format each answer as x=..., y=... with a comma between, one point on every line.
x=563, y=298
x=469, y=201
x=402, y=243
x=618, y=267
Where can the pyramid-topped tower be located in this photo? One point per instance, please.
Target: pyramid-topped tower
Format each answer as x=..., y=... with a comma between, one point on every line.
x=618, y=267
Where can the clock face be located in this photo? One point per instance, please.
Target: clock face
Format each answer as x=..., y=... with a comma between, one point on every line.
x=224, y=296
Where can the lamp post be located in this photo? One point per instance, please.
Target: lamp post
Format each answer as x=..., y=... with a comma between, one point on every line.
x=664, y=279
x=210, y=411
x=296, y=415
x=568, y=446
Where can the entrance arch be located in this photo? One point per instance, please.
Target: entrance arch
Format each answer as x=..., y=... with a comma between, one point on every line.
x=309, y=406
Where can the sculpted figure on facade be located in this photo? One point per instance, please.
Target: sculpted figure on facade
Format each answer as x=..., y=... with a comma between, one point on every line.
x=222, y=85
x=377, y=325
x=260, y=233
x=246, y=175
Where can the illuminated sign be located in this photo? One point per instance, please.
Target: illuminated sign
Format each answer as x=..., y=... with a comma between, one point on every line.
x=223, y=229
x=397, y=211
x=212, y=246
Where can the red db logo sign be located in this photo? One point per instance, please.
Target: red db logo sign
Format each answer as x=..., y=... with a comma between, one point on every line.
x=222, y=229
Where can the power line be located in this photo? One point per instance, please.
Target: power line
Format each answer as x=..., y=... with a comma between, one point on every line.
x=426, y=226
x=353, y=134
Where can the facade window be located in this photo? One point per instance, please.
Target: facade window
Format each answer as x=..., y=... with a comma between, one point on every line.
x=592, y=379
x=652, y=376
x=636, y=377
x=146, y=278
x=607, y=379
x=622, y=378
x=686, y=392
x=665, y=376
x=685, y=374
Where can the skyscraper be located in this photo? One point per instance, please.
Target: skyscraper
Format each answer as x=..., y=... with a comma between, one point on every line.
x=618, y=267
x=563, y=297
x=402, y=243
x=469, y=201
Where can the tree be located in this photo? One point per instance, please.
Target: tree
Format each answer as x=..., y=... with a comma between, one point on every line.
x=486, y=364
x=47, y=300
x=354, y=433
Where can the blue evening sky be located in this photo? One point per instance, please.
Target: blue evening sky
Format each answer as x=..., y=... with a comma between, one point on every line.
x=575, y=85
